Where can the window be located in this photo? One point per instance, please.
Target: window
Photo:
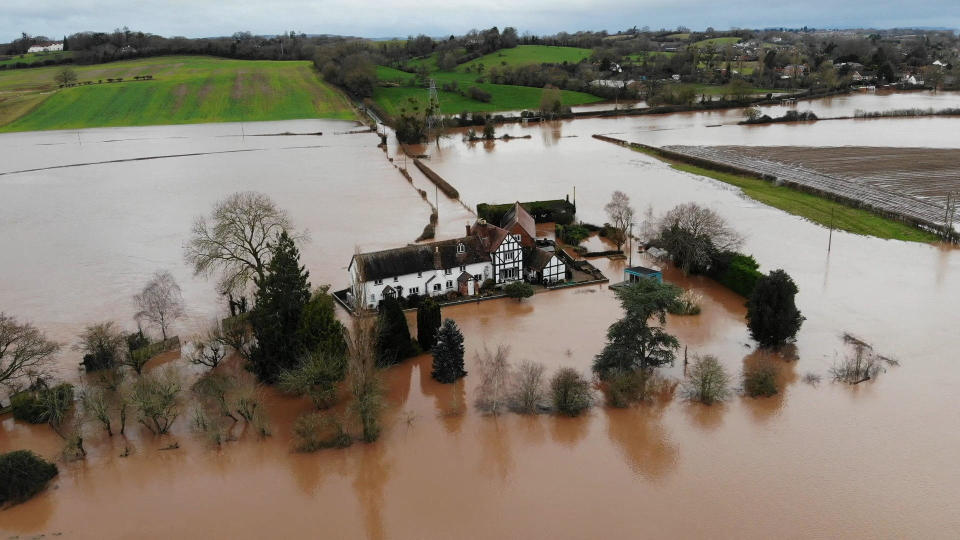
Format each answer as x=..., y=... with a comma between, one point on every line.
x=463, y=268
x=516, y=237
x=395, y=279
x=448, y=271
x=378, y=282
x=436, y=286
x=419, y=274
x=449, y=284
x=461, y=248
x=478, y=278
x=413, y=290
x=373, y=298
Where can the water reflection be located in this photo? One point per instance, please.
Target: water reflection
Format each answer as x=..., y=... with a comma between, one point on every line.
x=639, y=434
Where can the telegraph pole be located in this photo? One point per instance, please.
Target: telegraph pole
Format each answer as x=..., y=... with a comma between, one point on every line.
x=830, y=240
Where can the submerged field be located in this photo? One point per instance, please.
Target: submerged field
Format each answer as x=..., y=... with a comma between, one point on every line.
x=184, y=90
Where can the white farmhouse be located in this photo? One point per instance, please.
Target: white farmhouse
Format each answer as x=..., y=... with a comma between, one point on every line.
x=46, y=47
x=460, y=265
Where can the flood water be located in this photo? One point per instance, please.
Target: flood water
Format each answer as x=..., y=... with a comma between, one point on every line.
x=874, y=460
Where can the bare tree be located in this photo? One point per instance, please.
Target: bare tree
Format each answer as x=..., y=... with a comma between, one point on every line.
x=160, y=301
x=693, y=233
x=210, y=348
x=528, y=393
x=24, y=351
x=495, y=374
x=364, y=380
x=103, y=345
x=620, y=214
x=234, y=240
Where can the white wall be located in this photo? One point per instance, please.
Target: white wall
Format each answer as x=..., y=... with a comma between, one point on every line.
x=484, y=269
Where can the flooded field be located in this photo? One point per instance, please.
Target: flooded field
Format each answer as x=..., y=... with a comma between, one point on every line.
x=874, y=460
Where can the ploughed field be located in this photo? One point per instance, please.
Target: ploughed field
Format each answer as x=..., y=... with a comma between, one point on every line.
x=183, y=90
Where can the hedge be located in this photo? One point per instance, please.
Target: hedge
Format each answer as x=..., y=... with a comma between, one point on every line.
x=559, y=211
x=23, y=474
x=737, y=272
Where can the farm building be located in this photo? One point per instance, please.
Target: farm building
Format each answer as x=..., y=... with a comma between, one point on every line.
x=46, y=47
x=636, y=273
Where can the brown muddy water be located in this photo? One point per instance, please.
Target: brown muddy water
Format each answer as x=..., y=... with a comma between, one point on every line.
x=875, y=460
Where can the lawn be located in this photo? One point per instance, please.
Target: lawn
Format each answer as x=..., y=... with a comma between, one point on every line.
x=816, y=209
x=185, y=89
x=522, y=55
x=503, y=97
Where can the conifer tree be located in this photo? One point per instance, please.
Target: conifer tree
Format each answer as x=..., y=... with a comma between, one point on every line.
x=428, y=323
x=448, y=353
x=772, y=314
x=393, y=338
x=275, y=320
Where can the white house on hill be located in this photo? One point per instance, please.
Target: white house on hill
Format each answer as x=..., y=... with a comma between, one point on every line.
x=460, y=265
x=46, y=47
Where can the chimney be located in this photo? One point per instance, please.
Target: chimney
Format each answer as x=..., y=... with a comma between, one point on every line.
x=468, y=229
x=437, y=265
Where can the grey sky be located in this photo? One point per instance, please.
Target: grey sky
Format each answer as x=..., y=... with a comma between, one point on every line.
x=370, y=18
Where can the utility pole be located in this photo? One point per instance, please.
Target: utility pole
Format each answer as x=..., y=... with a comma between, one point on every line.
x=630, y=244
x=830, y=241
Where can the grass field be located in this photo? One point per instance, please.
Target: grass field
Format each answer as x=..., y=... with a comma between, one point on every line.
x=717, y=42
x=717, y=90
x=812, y=207
x=522, y=55
x=185, y=89
x=503, y=97
x=33, y=58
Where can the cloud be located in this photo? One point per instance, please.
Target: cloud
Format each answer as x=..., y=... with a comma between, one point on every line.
x=369, y=18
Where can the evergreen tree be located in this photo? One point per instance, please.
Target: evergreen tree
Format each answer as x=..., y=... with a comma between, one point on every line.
x=448, y=353
x=772, y=314
x=428, y=323
x=320, y=331
x=393, y=338
x=282, y=295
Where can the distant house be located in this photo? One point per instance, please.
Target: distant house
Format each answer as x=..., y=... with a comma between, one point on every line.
x=46, y=47
x=460, y=265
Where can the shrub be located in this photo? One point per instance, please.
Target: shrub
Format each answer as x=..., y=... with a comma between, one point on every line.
x=760, y=381
x=315, y=377
x=313, y=431
x=708, y=382
x=687, y=303
x=480, y=95
x=571, y=393
x=23, y=474
x=626, y=387
x=495, y=375
x=518, y=290
x=772, y=314
x=33, y=406
x=155, y=396
x=571, y=234
x=736, y=271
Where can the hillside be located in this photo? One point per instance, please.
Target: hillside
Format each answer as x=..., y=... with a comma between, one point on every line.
x=184, y=89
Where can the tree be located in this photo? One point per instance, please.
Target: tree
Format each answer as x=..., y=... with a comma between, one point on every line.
x=489, y=130
x=571, y=392
x=694, y=234
x=495, y=373
x=365, y=384
x=772, y=314
x=393, y=338
x=518, y=290
x=621, y=216
x=632, y=343
x=24, y=351
x=282, y=295
x=708, y=382
x=65, y=76
x=155, y=396
x=448, y=353
x=235, y=242
x=102, y=344
x=210, y=348
x=428, y=323
x=527, y=394
x=160, y=302
x=320, y=331
x=315, y=377
x=551, y=102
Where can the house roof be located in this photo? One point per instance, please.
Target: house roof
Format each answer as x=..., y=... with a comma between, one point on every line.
x=519, y=215
x=464, y=277
x=641, y=271
x=541, y=258
x=489, y=236
x=421, y=258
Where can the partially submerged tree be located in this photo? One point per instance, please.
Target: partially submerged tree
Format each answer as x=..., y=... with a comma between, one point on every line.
x=527, y=394
x=448, y=353
x=25, y=352
x=316, y=377
x=23, y=474
x=571, y=392
x=693, y=235
x=518, y=290
x=493, y=394
x=156, y=398
x=551, y=101
x=210, y=348
x=160, y=302
x=283, y=294
x=102, y=344
x=428, y=323
x=365, y=386
x=620, y=214
x=772, y=314
x=760, y=380
x=393, y=338
x=632, y=342
x=708, y=382
x=235, y=240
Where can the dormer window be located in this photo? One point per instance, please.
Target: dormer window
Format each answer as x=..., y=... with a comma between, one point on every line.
x=461, y=248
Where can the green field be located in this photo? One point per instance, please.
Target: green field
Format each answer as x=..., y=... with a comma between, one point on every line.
x=814, y=208
x=503, y=97
x=717, y=42
x=718, y=90
x=185, y=89
x=33, y=58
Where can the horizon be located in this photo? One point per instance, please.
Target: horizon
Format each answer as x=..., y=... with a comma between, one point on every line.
x=341, y=18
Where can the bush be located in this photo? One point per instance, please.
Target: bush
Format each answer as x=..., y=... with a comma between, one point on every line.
x=571, y=393
x=760, y=381
x=626, y=387
x=708, y=382
x=736, y=271
x=480, y=95
x=316, y=377
x=23, y=474
x=772, y=314
x=687, y=304
x=31, y=406
x=518, y=290
x=571, y=234
x=528, y=395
